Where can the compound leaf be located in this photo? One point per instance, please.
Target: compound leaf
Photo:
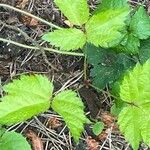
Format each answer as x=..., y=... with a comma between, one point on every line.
x=66, y=39
x=13, y=141
x=140, y=24
x=134, y=119
x=76, y=11
x=139, y=28
x=108, y=66
x=111, y=4
x=25, y=98
x=70, y=107
x=106, y=29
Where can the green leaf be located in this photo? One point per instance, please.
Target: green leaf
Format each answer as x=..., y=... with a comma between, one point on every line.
x=130, y=44
x=135, y=86
x=134, y=119
x=107, y=29
x=66, y=39
x=145, y=129
x=111, y=4
x=129, y=121
x=13, y=141
x=117, y=106
x=2, y=131
x=144, y=51
x=25, y=98
x=76, y=11
x=98, y=128
x=70, y=107
x=139, y=28
x=140, y=24
x=108, y=66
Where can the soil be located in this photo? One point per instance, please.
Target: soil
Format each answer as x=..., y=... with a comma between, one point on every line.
x=15, y=61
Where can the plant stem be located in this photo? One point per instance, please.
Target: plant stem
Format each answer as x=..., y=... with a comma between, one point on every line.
x=34, y=47
x=31, y=15
x=27, y=37
x=45, y=48
x=85, y=68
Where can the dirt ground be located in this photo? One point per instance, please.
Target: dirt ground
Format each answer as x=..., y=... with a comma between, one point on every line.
x=66, y=71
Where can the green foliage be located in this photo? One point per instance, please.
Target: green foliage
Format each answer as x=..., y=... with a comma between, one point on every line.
x=112, y=25
x=70, y=107
x=76, y=11
x=130, y=44
x=108, y=66
x=129, y=125
x=118, y=104
x=135, y=86
x=111, y=4
x=32, y=94
x=98, y=128
x=134, y=119
x=140, y=24
x=117, y=107
x=144, y=52
x=138, y=28
x=66, y=39
x=13, y=141
x=2, y=131
x=106, y=29
x=25, y=98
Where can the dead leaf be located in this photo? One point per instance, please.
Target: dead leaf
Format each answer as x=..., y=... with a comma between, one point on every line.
x=92, y=144
x=108, y=119
x=22, y=3
x=35, y=140
x=54, y=123
x=34, y=22
x=102, y=136
x=114, y=127
x=29, y=21
x=91, y=99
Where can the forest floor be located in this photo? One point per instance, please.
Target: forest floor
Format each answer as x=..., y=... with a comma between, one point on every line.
x=66, y=71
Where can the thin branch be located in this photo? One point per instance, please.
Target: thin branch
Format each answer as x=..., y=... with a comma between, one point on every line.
x=45, y=48
x=34, y=47
x=31, y=15
x=27, y=37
